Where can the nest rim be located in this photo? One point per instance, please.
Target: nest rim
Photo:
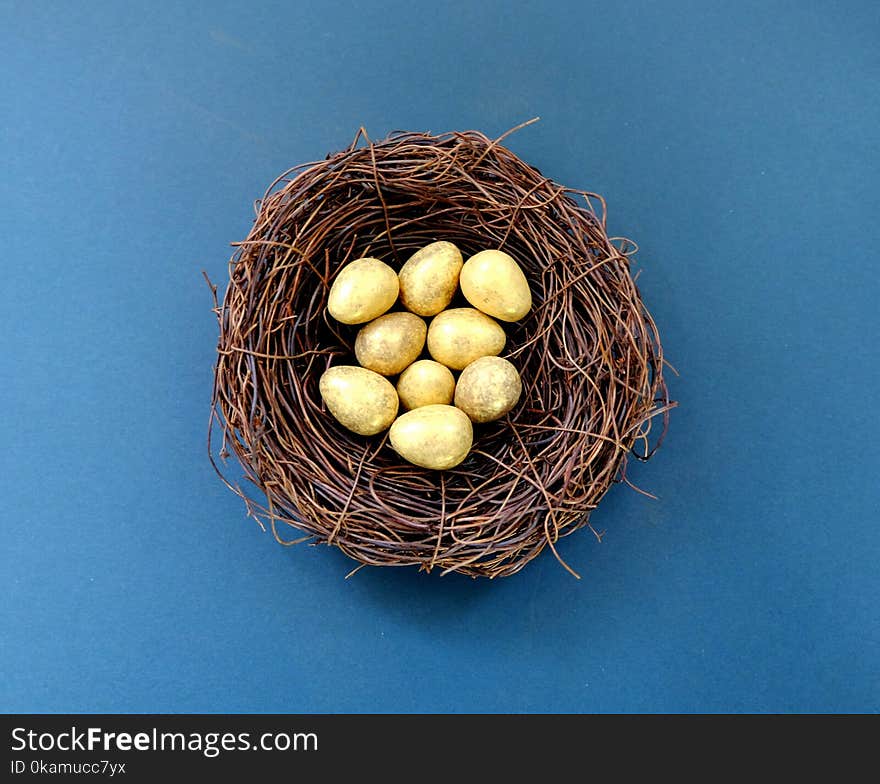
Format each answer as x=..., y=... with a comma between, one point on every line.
x=589, y=355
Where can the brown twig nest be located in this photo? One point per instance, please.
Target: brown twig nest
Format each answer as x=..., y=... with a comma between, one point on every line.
x=588, y=353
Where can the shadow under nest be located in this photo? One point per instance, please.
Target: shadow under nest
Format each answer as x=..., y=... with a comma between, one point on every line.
x=588, y=353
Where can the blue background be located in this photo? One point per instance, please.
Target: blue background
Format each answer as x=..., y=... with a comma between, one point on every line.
x=738, y=143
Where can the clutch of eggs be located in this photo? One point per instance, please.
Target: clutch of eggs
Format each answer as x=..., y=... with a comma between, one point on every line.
x=436, y=430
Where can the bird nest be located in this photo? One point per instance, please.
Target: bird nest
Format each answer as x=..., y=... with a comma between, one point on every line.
x=588, y=353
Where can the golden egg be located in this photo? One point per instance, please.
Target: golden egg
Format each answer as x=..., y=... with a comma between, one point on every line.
x=359, y=399
x=458, y=336
x=487, y=389
x=390, y=343
x=435, y=436
x=429, y=278
x=425, y=383
x=494, y=283
x=363, y=290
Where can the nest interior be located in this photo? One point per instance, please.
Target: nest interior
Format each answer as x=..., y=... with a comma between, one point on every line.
x=589, y=356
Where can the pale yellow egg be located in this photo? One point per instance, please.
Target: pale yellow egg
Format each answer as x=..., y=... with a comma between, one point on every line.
x=359, y=399
x=493, y=282
x=362, y=291
x=487, y=389
x=391, y=343
x=436, y=436
x=429, y=278
x=425, y=383
x=458, y=336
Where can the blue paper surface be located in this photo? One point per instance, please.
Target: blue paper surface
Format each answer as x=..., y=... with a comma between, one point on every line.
x=738, y=144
